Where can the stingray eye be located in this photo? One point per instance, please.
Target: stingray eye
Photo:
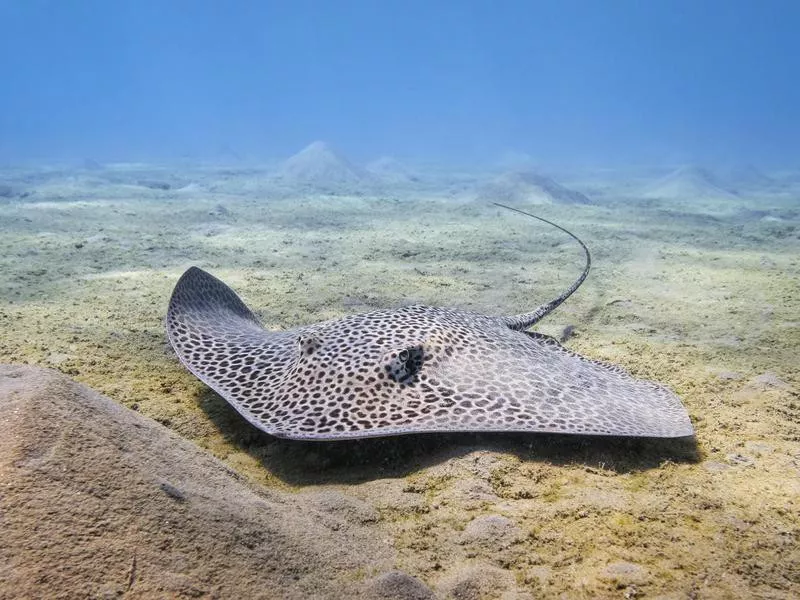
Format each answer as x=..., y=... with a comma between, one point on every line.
x=403, y=365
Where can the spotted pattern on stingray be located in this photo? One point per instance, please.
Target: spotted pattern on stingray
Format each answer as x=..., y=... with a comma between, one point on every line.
x=409, y=370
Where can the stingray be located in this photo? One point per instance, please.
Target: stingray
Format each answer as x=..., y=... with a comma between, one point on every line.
x=414, y=369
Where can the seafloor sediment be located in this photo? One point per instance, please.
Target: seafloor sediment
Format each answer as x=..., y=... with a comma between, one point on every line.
x=701, y=296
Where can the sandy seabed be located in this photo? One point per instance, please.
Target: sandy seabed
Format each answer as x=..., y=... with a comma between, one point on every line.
x=701, y=296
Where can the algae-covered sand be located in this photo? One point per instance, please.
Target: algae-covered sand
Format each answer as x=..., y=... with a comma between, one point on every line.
x=702, y=296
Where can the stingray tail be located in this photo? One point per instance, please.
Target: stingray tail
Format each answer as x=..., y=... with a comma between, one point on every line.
x=525, y=320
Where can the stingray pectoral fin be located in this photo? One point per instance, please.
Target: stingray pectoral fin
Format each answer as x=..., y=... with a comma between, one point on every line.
x=574, y=394
x=199, y=296
x=221, y=341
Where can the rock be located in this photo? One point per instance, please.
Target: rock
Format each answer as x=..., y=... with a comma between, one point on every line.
x=98, y=501
x=566, y=333
x=396, y=585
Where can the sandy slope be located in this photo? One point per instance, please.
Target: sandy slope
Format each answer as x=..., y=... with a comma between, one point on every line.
x=99, y=501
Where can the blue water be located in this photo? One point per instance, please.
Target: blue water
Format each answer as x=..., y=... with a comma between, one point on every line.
x=458, y=81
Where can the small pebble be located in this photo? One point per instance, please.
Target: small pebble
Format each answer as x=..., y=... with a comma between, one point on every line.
x=173, y=492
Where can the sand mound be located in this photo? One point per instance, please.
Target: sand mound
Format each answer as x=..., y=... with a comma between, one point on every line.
x=743, y=178
x=688, y=183
x=529, y=187
x=98, y=501
x=320, y=167
x=390, y=170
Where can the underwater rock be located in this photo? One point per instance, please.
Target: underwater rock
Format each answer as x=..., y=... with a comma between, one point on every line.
x=566, y=333
x=6, y=191
x=99, y=501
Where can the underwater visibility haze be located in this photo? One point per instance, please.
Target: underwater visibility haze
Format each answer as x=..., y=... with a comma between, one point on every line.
x=339, y=165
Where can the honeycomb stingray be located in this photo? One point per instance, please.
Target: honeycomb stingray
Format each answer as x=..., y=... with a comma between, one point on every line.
x=410, y=370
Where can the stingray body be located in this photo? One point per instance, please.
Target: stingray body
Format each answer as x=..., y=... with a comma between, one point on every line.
x=410, y=370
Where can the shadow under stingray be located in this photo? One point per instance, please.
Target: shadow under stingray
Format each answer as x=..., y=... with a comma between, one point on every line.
x=301, y=463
